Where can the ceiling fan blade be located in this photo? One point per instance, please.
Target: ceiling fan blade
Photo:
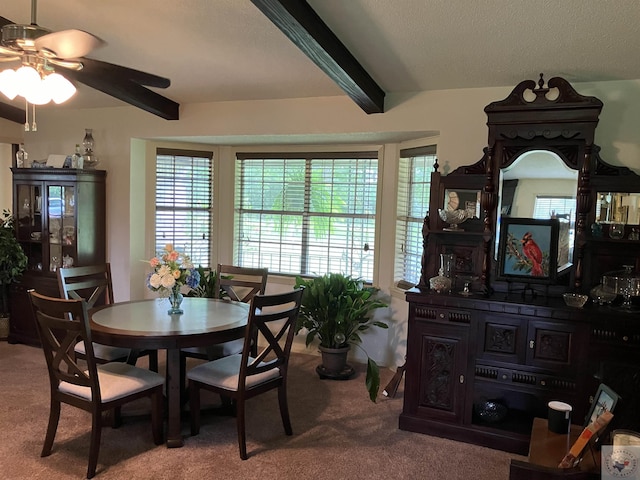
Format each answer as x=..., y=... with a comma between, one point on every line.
x=126, y=90
x=68, y=43
x=98, y=67
x=12, y=113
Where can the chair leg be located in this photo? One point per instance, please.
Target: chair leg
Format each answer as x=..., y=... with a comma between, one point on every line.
x=242, y=437
x=54, y=417
x=94, y=447
x=194, y=407
x=284, y=409
x=157, y=415
x=115, y=417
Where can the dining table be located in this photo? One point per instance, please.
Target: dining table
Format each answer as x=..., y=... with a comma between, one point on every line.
x=146, y=325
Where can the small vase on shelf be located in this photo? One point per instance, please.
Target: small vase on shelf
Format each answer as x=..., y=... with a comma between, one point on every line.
x=175, y=298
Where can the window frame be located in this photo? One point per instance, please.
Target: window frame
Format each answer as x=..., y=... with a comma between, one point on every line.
x=405, y=222
x=311, y=155
x=207, y=246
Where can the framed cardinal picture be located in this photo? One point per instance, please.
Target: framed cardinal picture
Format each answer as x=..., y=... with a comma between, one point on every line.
x=528, y=250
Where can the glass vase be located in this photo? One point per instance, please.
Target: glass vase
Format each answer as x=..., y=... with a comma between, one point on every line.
x=175, y=298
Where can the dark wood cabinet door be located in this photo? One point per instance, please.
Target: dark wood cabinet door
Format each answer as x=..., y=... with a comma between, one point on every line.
x=443, y=371
x=555, y=345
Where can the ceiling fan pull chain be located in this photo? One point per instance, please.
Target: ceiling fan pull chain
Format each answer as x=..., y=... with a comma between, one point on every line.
x=34, y=125
x=26, y=113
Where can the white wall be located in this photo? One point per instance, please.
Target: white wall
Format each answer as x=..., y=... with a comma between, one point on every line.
x=123, y=134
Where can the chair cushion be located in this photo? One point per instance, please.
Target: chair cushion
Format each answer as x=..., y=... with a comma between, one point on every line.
x=224, y=373
x=103, y=352
x=117, y=380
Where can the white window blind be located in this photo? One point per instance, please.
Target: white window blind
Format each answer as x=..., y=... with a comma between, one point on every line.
x=184, y=180
x=414, y=190
x=564, y=209
x=306, y=213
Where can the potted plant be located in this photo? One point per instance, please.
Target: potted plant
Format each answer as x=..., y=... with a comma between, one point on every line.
x=336, y=309
x=13, y=262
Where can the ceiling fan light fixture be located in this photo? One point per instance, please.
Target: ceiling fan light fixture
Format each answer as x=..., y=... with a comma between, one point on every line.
x=60, y=88
x=27, y=79
x=8, y=83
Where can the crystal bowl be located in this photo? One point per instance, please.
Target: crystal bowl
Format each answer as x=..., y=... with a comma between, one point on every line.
x=491, y=411
x=575, y=299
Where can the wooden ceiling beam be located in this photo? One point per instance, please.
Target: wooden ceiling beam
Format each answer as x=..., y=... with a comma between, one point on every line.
x=305, y=28
x=12, y=113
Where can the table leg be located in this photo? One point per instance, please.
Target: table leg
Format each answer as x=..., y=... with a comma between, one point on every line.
x=173, y=385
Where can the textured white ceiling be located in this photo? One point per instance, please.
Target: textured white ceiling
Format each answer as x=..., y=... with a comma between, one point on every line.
x=216, y=50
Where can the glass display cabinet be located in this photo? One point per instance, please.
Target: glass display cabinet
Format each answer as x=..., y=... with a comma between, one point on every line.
x=60, y=222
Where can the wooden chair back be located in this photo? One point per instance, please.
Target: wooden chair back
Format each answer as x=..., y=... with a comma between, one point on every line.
x=240, y=283
x=61, y=325
x=91, y=283
x=272, y=320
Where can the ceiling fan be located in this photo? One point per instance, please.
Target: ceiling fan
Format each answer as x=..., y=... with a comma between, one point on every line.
x=63, y=53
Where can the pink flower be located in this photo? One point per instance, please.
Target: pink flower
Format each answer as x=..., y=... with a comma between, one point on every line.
x=173, y=256
x=154, y=262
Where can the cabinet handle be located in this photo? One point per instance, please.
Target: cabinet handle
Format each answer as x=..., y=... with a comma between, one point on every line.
x=625, y=338
x=532, y=344
x=461, y=378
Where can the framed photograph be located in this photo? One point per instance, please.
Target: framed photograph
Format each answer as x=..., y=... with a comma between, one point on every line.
x=528, y=250
x=605, y=399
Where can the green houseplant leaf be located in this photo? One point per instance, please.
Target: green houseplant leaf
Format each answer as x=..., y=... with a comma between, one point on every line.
x=13, y=260
x=335, y=309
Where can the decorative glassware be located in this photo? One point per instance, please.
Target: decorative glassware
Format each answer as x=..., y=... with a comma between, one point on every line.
x=88, y=141
x=442, y=282
x=21, y=157
x=616, y=231
x=90, y=158
x=175, y=297
x=625, y=283
x=601, y=294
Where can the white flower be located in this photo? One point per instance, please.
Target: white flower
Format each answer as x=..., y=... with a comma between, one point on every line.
x=155, y=281
x=168, y=281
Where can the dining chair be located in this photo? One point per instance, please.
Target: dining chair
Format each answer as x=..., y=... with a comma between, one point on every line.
x=93, y=284
x=95, y=388
x=271, y=328
x=239, y=284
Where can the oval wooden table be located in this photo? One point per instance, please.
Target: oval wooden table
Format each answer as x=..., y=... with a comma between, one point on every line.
x=145, y=324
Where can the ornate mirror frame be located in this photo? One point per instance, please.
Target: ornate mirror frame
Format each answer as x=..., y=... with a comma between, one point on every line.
x=534, y=116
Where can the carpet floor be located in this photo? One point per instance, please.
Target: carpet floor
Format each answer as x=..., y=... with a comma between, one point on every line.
x=337, y=434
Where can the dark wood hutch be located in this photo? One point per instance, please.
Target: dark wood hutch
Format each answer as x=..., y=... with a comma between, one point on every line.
x=60, y=221
x=516, y=344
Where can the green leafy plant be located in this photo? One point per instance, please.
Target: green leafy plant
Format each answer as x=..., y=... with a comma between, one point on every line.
x=13, y=261
x=207, y=286
x=336, y=309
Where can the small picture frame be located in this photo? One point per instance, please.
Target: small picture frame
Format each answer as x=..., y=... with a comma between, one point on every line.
x=604, y=399
x=528, y=250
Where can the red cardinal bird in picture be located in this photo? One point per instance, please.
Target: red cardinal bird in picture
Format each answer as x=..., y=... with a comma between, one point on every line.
x=532, y=251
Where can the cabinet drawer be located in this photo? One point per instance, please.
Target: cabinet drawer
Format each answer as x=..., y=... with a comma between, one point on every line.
x=439, y=314
x=521, y=378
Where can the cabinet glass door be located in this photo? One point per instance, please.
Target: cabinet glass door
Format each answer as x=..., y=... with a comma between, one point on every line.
x=28, y=215
x=61, y=217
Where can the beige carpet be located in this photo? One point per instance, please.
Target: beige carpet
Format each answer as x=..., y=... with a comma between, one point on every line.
x=338, y=434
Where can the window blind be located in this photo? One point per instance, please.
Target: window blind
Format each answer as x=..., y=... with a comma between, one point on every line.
x=184, y=193
x=414, y=190
x=307, y=213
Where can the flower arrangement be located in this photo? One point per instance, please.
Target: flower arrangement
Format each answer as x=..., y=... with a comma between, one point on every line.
x=171, y=270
